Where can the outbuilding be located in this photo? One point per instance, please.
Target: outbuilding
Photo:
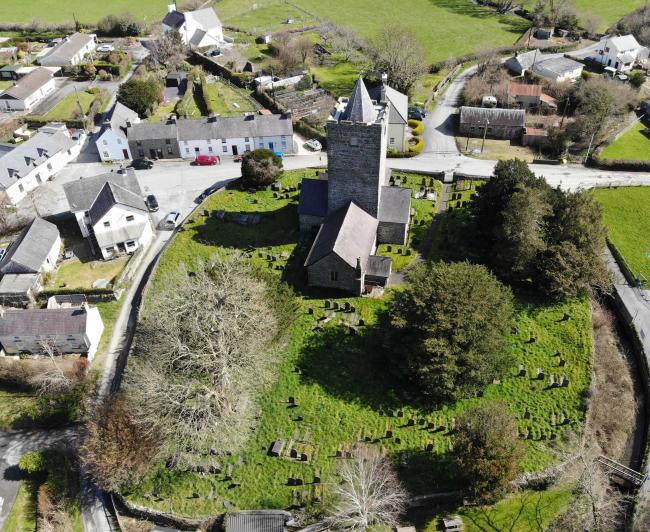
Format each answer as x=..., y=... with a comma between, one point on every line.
x=492, y=123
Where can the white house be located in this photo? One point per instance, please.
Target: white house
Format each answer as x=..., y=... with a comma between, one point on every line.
x=558, y=69
x=112, y=143
x=198, y=29
x=398, y=108
x=37, y=160
x=67, y=330
x=35, y=251
x=619, y=52
x=70, y=51
x=111, y=213
x=28, y=91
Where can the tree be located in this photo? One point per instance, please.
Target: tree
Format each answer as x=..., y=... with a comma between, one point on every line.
x=260, y=168
x=448, y=328
x=396, y=52
x=487, y=449
x=591, y=22
x=167, y=49
x=304, y=48
x=503, y=6
x=637, y=78
x=368, y=495
x=140, y=95
x=119, y=26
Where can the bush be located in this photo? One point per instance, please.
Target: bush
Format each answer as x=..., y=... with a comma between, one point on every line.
x=119, y=26
x=140, y=95
x=305, y=83
x=260, y=168
x=622, y=164
x=33, y=463
x=418, y=147
x=93, y=90
x=416, y=126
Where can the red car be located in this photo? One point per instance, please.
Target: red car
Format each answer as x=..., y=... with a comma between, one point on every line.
x=206, y=160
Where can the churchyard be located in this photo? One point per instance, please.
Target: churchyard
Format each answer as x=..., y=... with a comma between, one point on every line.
x=330, y=393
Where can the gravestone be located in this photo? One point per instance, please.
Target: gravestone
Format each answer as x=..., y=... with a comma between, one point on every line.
x=526, y=414
x=389, y=433
x=400, y=413
x=564, y=382
x=292, y=400
x=310, y=310
x=335, y=305
x=277, y=447
x=540, y=374
x=398, y=441
x=552, y=381
x=514, y=330
x=522, y=370
x=431, y=425
x=532, y=340
x=328, y=304
x=303, y=457
x=214, y=469
x=338, y=454
x=346, y=306
x=293, y=453
x=291, y=481
x=429, y=447
x=389, y=249
x=316, y=479
x=410, y=422
x=562, y=362
x=422, y=421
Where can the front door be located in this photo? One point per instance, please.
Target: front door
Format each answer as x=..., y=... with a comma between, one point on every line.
x=125, y=154
x=271, y=145
x=234, y=150
x=152, y=153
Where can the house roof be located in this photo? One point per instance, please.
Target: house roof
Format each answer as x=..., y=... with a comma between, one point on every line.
x=18, y=283
x=313, y=197
x=28, y=85
x=235, y=127
x=5, y=148
x=535, y=132
x=350, y=232
x=112, y=194
x=257, y=521
x=63, y=52
x=395, y=205
x=197, y=37
x=623, y=42
x=495, y=116
x=360, y=107
x=174, y=19
x=379, y=266
x=32, y=153
x=522, y=89
x=626, y=58
x=152, y=130
x=82, y=193
x=29, y=251
x=19, y=322
x=548, y=100
x=525, y=60
x=557, y=65
x=398, y=101
x=207, y=17
x=119, y=116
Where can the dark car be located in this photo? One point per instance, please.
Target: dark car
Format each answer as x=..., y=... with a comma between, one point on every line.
x=417, y=113
x=142, y=164
x=151, y=202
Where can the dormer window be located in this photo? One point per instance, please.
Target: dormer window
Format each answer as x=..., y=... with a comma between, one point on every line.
x=107, y=224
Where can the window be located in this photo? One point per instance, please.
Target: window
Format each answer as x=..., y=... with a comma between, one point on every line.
x=141, y=152
x=139, y=143
x=130, y=218
x=168, y=141
x=107, y=224
x=246, y=139
x=21, y=188
x=210, y=149
x=354, y=141
x=169, y=150
x=38, y=178
x=392, y=140
x=247, y=147
x=106, y=154
x=334, y=276
x=105, y=142
x=187, y=150
x=225, y=149
x=130, y=244
x=109, y=250
x=223, y=141
x=209, y=141
x=49, y=166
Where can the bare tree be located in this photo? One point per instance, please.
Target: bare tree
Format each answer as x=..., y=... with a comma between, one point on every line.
x=53, y=379
x=591, y=22
x=304, y=48
x=166, y=49
x=369, y=494
x=341, y=39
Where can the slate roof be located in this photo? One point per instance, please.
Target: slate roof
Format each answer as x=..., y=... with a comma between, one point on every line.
x=119, y=115
x=152, y=131
x=5, y=148
x=398, y=101
x=524, y=61
x=496, y=116
x=395, y=205
x=557, y=65
x=82, y=193
x=207, y=17
x=61, y=322
x=112, y=194
x=349, y=232
x=29, y=251
x=313, y=197
x=235, y=127
x=360, y=107
x=626, y=58
x=379, y=266
x=63, y=52
x=18, y=283
x=174, y=19
x=257, y=521
x=32, y=153
x=27, y=85
x=623, y=42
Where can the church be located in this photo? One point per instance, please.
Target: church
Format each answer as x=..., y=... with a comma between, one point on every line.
x=352, y=208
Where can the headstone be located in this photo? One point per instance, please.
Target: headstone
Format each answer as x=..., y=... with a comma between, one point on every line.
x=335, y=305
x=310, y=310
x=390, y=413
x=431, y=425
x=566, y=317
x=292, y=400
x=526, y=414
x=540, y=374
x=532, y=340
x=277, y=447
x=316, y=479
x=422, y=421
x=410, y=422
x=328, y=304
x=514, y=330
x=303, y=457
x=389, y=433
x=293, y=453
x=298, y=481
x=562, y=362
x=552, y=381
x=346, y=306
x=398, y=441
x=291, y=481
x=195, y=495
x=214, y=469
x=564, y=382
x=400, y=413
x=338, y=454
x=522, y=370
x=429, y=447
x=389, y=249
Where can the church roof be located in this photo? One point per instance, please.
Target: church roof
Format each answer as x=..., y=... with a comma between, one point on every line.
x=313, y=197
x=360, y=107
x=395, y=205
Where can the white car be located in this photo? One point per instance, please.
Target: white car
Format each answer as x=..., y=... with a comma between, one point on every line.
x=314, y=145
x=172, y=219
x=106, y=48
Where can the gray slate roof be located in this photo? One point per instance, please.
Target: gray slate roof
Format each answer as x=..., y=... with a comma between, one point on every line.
x=257, y=521
x=18, y=283
x=313, y=197
x=119, y=116
x=226, y=127
x=557, y=65
x=28, y=252
x=379, y=266
x=174, y=19
x=6, y=148
x=395, y=205
x=496, y=116
x=523, y=61
x=152, y=131
x=399, y=102
x=124, y=189
x=207, y=17
x=28, y=85
x=30, y=154
x=60, y=322
x=349, y=232
x=112, y=194
x=63, y=52
x=360, y=107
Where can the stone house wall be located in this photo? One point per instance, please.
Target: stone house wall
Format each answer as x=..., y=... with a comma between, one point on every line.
x=309, y=223
x=494, y=132
x=319, y=274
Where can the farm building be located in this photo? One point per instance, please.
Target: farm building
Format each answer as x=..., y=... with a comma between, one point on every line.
x=533, y=136
x=519, y=64
x=558, y=69
x=530, y=97
x=493, y=123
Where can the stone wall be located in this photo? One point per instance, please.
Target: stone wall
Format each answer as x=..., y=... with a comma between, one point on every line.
x=318, y=274
x=392, y=233
x=309, y=223
x=160, y=146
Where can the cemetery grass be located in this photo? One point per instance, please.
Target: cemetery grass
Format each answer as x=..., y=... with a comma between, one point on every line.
x=632, y=146
x=342, y=395
x=627, y=215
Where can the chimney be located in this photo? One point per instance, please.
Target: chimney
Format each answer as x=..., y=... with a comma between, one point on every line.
x=384, y=77
x=128, y=123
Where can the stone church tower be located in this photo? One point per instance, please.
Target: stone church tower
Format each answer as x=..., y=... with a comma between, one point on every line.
x=356, y=153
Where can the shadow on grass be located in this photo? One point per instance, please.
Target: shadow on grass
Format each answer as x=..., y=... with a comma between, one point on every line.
x=424, y=472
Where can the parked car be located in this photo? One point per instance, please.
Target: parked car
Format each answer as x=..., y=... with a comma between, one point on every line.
x=142, y=164
x=279, y=154
x=171, y=220
x=206, y=160
x=214, y=53
x=314, y=145
x=417, y=113
x=151, y=202
x=106, y=48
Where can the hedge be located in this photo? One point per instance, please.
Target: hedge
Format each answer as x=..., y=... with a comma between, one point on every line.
x=418, y=147
x=307, y=130
x=416, y=126
x=622, y=164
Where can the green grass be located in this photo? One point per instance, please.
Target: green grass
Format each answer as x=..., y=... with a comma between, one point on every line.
x=76, y=274
x=342, y=387
x=270, y=18
x=610, y=12
x=633, y=145
x=627, y=215
x=163, y=111
x=68, y=108
x=224, y=98
x=14, y=405
x=22, y=517
x=339, y=79
x=5, y=85
x=443, y=28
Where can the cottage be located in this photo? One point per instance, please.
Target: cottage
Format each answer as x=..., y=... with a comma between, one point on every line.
x=27, y=92
x=558, y=69
x=398, y=104
x=522, y=63
x=112, y=143
x=110, y=212
x=493, y=123
x=620, y=53
x=67, y=330
x=36, y=161
x=198, y=29
x=530, y=97
x=176, y=79
x=157, y=140
x=70, y=51
x=35, y=251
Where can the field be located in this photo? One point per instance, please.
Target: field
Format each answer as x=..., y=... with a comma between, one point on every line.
x=609, y=11
x=627, y=215
x=632, y=146
x=443, y=28
x=339, y=79
x=13, y=406
x=499, y=150
x=342, y=390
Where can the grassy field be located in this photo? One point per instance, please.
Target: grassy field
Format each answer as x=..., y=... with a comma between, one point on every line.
x=68, y=108
x=443, y=28
x=633, y=145
x=339, y=79
x=344, y=397
x=76, y=274
x=610, y=12
x=228, y=100
x=627, y=215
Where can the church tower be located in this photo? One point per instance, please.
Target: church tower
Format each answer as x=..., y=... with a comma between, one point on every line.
x=356, y=152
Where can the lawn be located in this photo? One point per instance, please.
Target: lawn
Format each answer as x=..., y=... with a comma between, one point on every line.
x=5, y=85
x=343, y=392
x=14, y=406
x=163, y=111
x=76, y=274
x=632, y=146
x=627, y=215
x=339, y=78
x=499, y=150
x=443, y=28
x=68, y=108
x=610, y=12
x=228, y=100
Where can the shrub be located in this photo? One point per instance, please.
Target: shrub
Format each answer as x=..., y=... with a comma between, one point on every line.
x=305, y=83
x=418, y=147
x=93, y=90
x=416, y=126
x=637, y=78
x=119, y=26
x=33, y=463
x=140, y=95
x=260, y=168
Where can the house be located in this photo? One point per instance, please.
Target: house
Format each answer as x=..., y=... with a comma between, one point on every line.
x=67, y=330
x=28, y=91
x=530, y=97
x=198, y=29
x=493, y=123
x=110, y=212
x=35, y=251
x=619, y=52
x=398, y=107
x=36, y=160
x=112, y=142
x=519, y=64
x=157, y=140
x=70, y=51
x=352, y=208
x=558, y=69
x=20, y=289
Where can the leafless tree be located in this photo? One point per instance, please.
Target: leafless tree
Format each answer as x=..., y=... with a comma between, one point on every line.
x=53, y=379
x=340, y=39
x=166, y=49
x=591, y=22
x=503, y=6
x=304, y=48
x=369, y=493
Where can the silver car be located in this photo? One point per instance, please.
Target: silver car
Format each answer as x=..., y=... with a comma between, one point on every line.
x=171, y=220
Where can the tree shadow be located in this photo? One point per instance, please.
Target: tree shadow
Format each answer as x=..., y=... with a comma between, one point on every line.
x=473, y=10
x=425, y=472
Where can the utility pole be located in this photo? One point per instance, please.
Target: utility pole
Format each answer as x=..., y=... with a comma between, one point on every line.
x=83, y=113
x=590, y=144
x=487, y=123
